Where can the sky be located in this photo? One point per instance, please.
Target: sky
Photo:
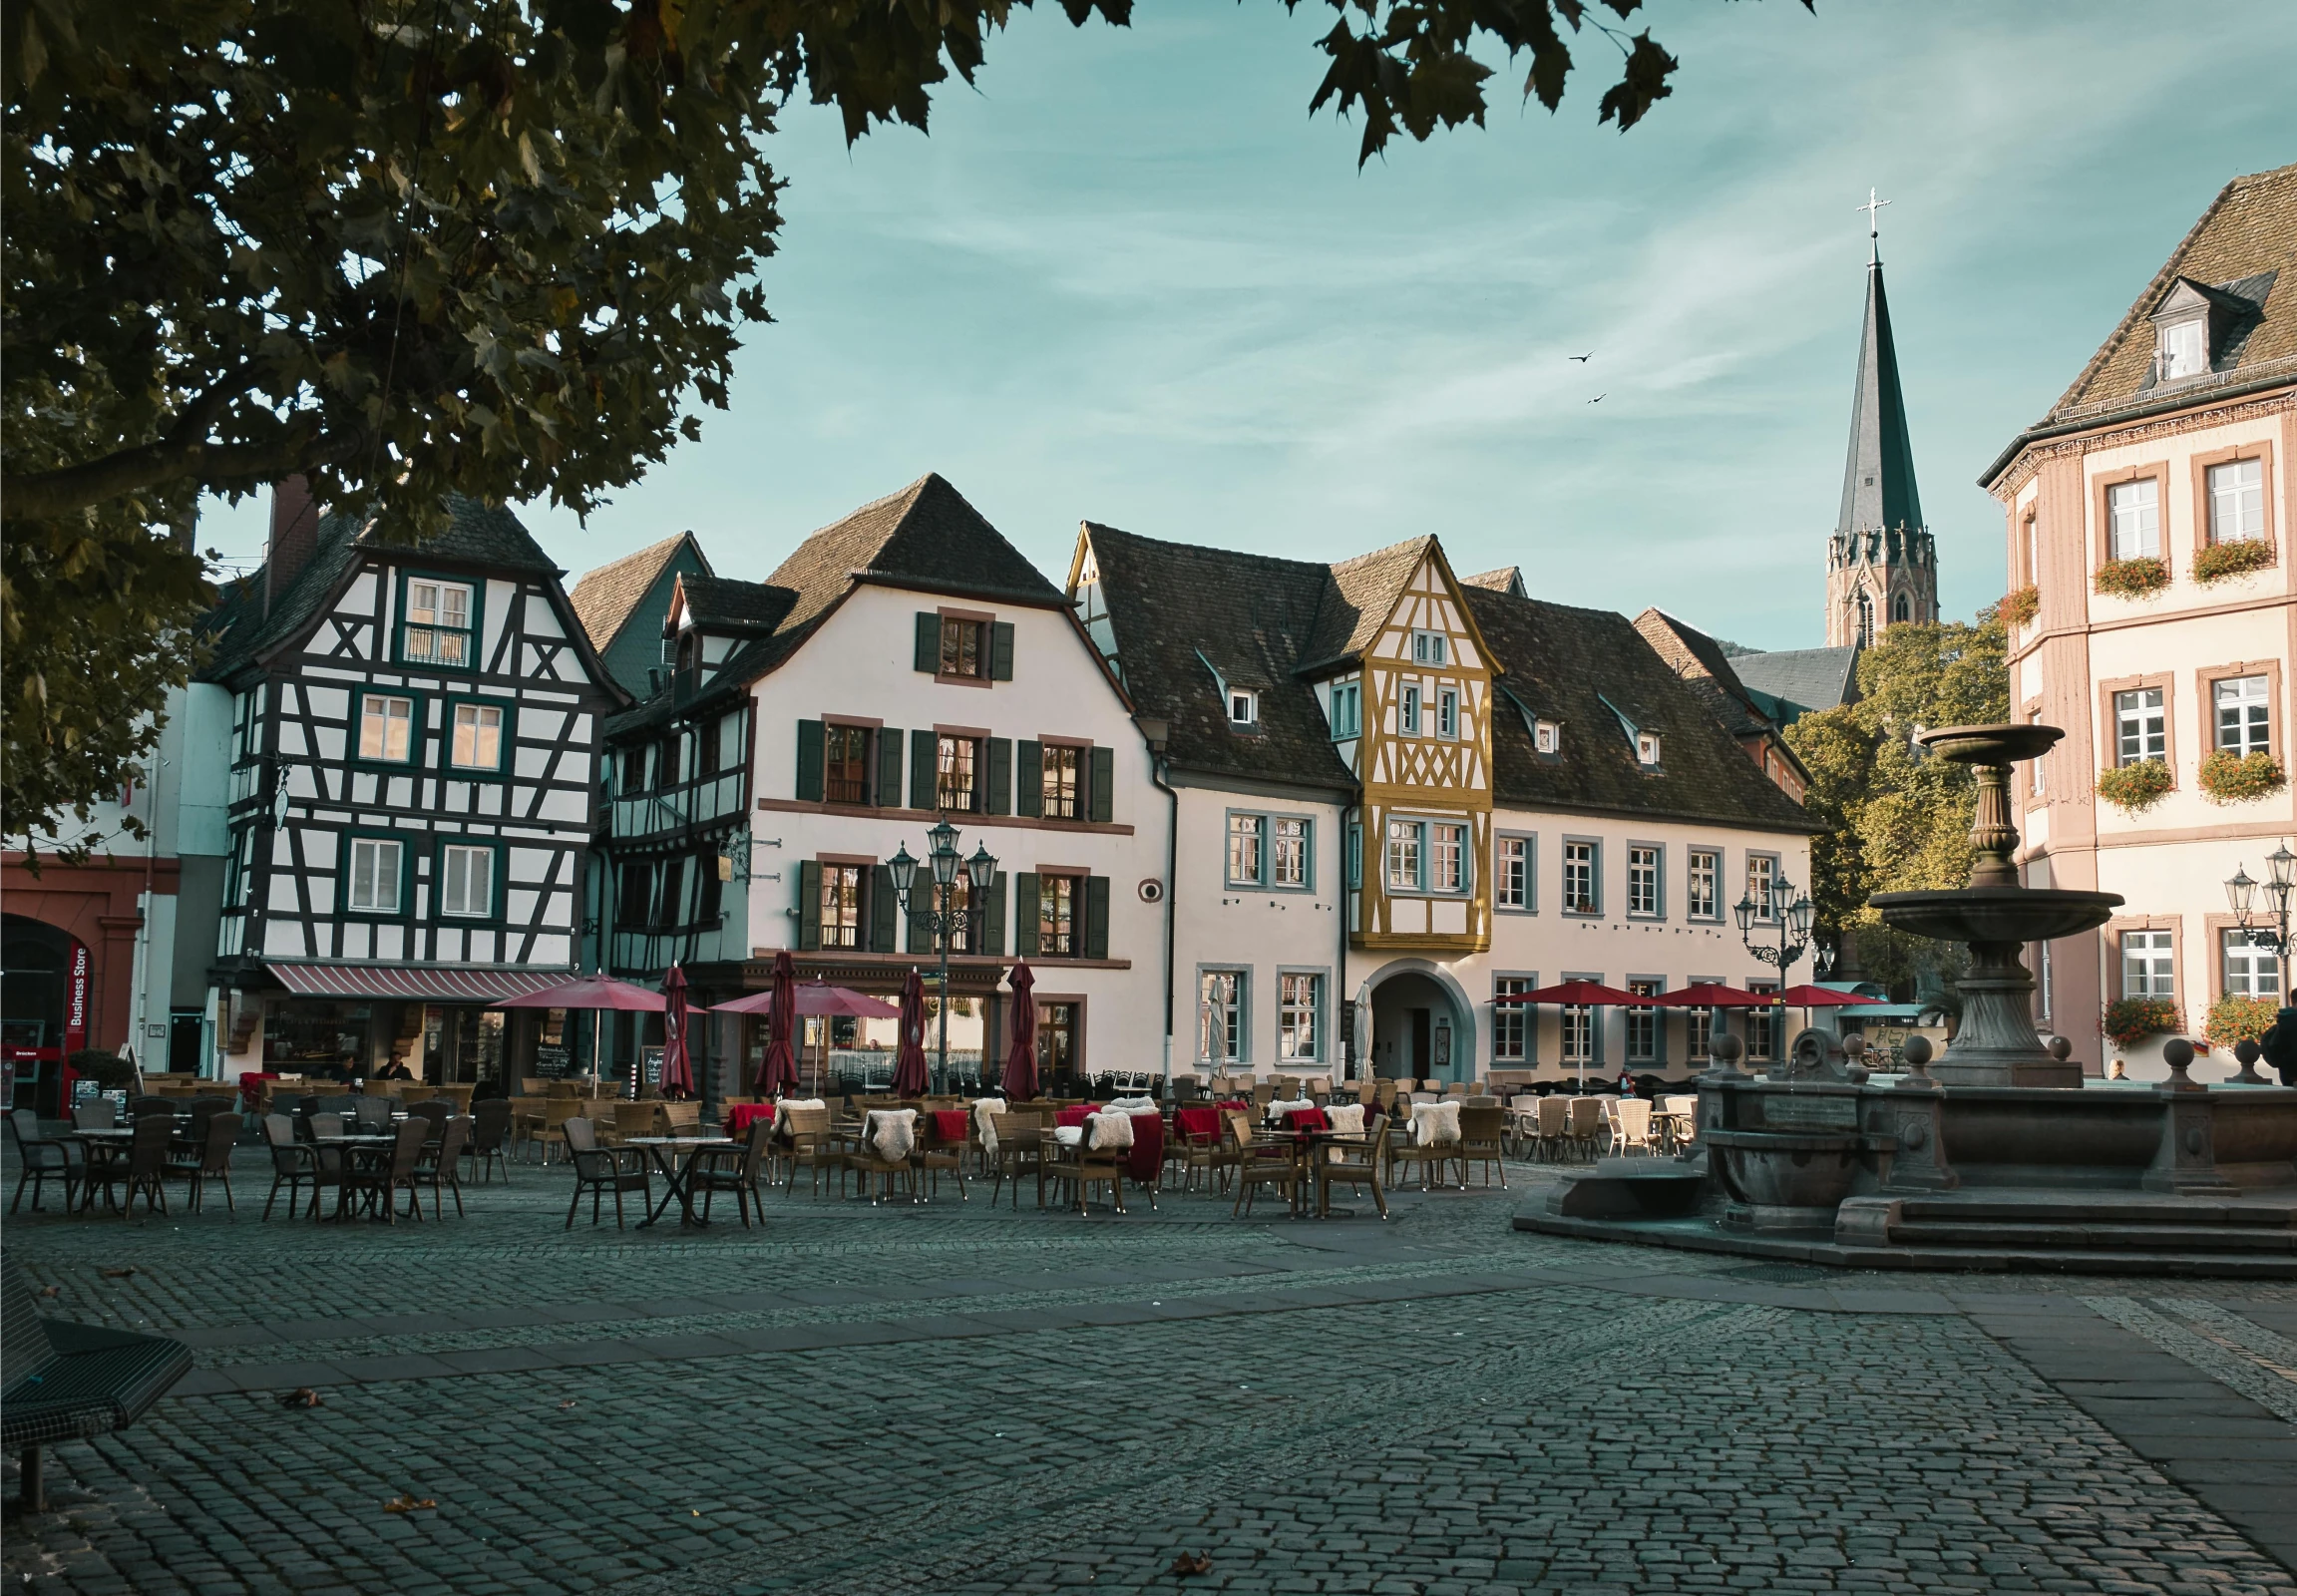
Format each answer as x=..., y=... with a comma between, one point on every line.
x=1130, y=280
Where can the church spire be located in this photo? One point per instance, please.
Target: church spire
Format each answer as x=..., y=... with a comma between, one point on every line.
x=1882, y=564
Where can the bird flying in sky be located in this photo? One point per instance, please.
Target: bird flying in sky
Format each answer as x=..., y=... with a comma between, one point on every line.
x=1585, y=359
x=1598, y=398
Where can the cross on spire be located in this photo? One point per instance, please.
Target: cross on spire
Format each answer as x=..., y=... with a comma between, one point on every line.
x=1873, y=228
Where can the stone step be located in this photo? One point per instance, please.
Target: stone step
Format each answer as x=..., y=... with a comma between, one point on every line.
x=2112, y=1236
x=2104, y=1208
x=2059, y=1260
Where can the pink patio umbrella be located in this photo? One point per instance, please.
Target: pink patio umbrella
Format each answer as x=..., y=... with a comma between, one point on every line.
x=677, y=1082
x=811, y=1000
x=1021, y=1073
x=911, y=1078
x=597, y=993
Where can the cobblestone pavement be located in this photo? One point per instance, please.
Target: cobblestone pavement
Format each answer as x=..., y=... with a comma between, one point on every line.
x=947, y=1398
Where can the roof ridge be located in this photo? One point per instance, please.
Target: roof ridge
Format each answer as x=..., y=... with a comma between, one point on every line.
x=1211, y=549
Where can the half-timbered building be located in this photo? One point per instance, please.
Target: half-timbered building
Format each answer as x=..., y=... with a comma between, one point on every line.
x=413, y=765
x=1401, y=794
x=903, y=667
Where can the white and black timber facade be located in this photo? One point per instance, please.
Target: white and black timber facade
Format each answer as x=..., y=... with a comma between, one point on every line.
x=414, y=774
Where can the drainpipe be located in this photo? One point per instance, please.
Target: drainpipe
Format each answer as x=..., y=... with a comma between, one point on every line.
x=1155, y=731
x=1340, y=992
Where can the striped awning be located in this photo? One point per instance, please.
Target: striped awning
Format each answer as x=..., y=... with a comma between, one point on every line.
x=465, y=983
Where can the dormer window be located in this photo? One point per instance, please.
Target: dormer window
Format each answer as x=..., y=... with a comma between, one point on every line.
x=1546, y=736
x=1430, y=648
x=1243, y=707
x=1647, y=749
x=2184, y=347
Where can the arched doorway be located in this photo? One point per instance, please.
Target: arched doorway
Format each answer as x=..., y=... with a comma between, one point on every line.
x=43, y=1005
x=1422, y=1027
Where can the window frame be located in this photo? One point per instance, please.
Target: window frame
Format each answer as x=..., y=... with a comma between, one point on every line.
x=979, y=765
x=1249, y=698
x=1771, y=1019
x=1347, y=728
x=2109, y=714
x=2205, y=502
x=1652, y=1013
x=1525, y=1016
x=497, y=886
x=1594, y=846
x=1318, y=1013
x=1598, y=1045
x=1530, y=904
x=1076, y=877
x=2222, y=929
x=2205, y=688
x=2102, y=511
x=405, y=842
x=2148, y=925
x=1270, y=851
x=1447, y=714
x=1658, y=912
x=1767, y=906
x=1418, y=842
x=1080, y=798
x=983, y=623
x=418, y=728
x=1715, y=852
x=1437, y=654
x=1410, y=709
x=505, y=743
x=864, y=870
x=1230, y=835
x=476, y=631
x=1241, y=1031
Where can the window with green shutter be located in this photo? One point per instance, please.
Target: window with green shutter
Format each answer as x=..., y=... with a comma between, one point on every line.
x=992, y=937
x=884, y=911
x=1029, y=779
x=1001, y=777
x=1026, y=915
x=929, y=658
x=889, y=771
x=923, y=747
x=1101, y=790
x=1002, y=651
x=809, y=905
x=809, y=789
x=1096, y=916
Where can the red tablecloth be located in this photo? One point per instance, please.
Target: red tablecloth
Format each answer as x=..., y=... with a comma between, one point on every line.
x=1198, y=1121
x=1308, y=1119
x=1077, y=1115
x=741, y=1116
x=952, y=1124
x=251, y=1089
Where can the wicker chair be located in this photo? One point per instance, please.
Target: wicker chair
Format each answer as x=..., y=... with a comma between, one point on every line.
x=1585, y=1124
x=1080, y=1168
x=294, y=1162
x=1260, y=1164
x=734, y=1169
x=1020, y=1151
x=1352, y=1165
x=935, y=1154
x=1431, y=1157
x=599, y=1170
x=212, y=1161
x=490, y=1133
x=376, y=1178
x=1483, y=1140
x=441, y=1164
x=863, y=1160
x=141, y=1166
x=812, y=1146
x=39, y=1158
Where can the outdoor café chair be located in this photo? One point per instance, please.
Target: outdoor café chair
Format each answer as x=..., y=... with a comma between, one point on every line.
x=733, y=1169
x=141, y=1166
x=1020, y=1151
x=440, y=1163
x=1211, y=1152
x=935, y=1154
x=1586, y=1123
x=213, y=1162
x=100, y=1113
x=1551, y=1133
x=294, y=1162
x=866, y=1161
x=490, y=1131
x=1482, y=1140
x=812, y=1146
x=139, y=1107
x=1631, y=1126
x=376, y=1177
x=347, y=1104
x=1260, y=1164
x=434, y=1114
x=38, y=1159
x=1431, y=1156
x=1072, y=1170
x=1683, y=1120
x=1354, y=1165
x=373, y=1113
x=599, y=1170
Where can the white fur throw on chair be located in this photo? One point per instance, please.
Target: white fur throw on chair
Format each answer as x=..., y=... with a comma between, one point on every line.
x=1279, y=1110
x=1133, y=1105
x=986, y=1111
x=1111, y=1133
x=1433, y=1125
x=892, y=1132
x=789, y=1103
x=1346, y=1119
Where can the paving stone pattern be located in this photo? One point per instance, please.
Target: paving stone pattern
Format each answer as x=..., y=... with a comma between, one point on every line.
x=950, y=1400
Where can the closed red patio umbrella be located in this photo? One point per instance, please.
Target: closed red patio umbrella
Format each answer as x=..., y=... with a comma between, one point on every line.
x=677, y=1082
x=779, y=1073
x=911, y=1078
x=1021, y=1073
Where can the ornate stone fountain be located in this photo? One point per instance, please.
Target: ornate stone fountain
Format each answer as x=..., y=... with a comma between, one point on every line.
x=1996, y=1044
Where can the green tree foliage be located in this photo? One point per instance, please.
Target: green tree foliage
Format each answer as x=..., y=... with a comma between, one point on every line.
x=1897, y=818
x=408, y=247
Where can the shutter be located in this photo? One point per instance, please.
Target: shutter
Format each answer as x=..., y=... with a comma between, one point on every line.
x=1096, y=916
x=1025, y=911
x=809, y=761
x=1001, y=651
x=922, y=749
x=889, y=793
x=929, y=642
x=916, y=937
x=1101, y=791
x=1029, y=793
x=885, y=910
x=993, y=923
x=809, y=905
x=1000, y=793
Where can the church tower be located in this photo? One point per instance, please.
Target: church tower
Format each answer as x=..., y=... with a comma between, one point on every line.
x=1881, y=563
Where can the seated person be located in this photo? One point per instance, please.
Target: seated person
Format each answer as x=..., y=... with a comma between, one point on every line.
x=396, y=1069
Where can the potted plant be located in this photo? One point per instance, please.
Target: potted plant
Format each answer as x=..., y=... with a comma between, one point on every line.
x=2230, y=778
x=2235, y=1018
x=2133, y=579
x=2222, y=560
x=2135, y=788
x=2021, y=607
x=2130, y=1021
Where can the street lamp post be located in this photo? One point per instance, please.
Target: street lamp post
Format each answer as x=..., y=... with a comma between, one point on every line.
x=1791, y=910
x=2272, y=933
x=942, y=920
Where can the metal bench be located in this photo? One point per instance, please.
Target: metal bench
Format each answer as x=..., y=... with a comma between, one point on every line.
x=69, y=1381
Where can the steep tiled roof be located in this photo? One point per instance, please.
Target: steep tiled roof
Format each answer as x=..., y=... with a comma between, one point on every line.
x=1799, y=680
x=477, y=536
x=1587, y=669
x=604, y=597
x=1177, y=608
x=926, y=537
x=1506, y=579
x=1700, y=662
x=2243, y=253
x=723, y=603
x=1361, y=595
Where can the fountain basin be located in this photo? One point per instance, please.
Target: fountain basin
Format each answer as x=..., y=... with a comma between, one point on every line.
x=1789, y=1180
x=2016, y=915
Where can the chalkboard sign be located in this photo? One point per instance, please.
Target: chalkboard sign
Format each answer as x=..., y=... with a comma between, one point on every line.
x=552, y=1063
